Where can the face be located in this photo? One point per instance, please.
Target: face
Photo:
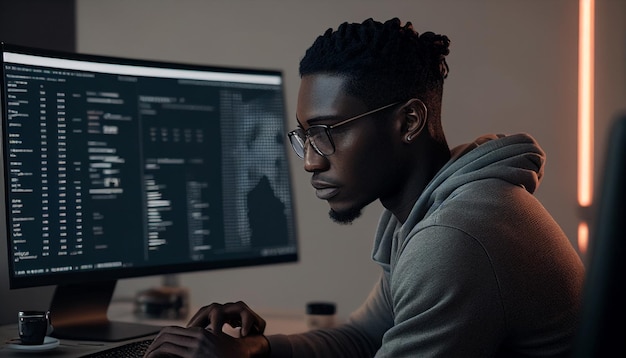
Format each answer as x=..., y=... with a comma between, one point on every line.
x=362, y=168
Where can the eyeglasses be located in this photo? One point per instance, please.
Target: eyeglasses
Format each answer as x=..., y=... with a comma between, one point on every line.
x=319, y=135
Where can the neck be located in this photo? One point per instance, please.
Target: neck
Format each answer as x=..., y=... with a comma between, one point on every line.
x=422, y=170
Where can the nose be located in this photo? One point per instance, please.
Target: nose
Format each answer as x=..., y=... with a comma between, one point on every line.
x=313, y=161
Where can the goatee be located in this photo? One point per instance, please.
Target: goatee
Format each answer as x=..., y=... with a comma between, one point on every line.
x=344, y=217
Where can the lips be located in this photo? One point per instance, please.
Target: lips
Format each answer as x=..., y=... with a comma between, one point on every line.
x=324, y=190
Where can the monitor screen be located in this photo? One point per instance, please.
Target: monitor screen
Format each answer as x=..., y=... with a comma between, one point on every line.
x=118, y=168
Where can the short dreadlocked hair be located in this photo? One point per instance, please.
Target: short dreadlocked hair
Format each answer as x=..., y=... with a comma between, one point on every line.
x=383, y=63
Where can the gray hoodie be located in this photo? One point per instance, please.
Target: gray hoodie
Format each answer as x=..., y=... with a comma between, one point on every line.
x=478, y=269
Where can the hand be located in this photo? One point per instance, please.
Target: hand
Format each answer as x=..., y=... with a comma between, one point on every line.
x=196, y=342
x=238, y=314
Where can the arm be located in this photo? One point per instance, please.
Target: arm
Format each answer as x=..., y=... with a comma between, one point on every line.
x=359, y=337
x=446, y=298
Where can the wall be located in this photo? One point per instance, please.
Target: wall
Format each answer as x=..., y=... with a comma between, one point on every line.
x=513, y=67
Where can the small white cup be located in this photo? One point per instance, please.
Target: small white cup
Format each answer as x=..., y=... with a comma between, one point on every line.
x=320, y=315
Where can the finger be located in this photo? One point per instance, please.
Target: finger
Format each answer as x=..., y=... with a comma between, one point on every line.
x=202, y=317
x=215, y=315
x=216, y=319
x=233, y=311
x=248, y=319
x=236, y=314
x=164, y=349
x=198, y=318
x=170, y=340
x=181, y=342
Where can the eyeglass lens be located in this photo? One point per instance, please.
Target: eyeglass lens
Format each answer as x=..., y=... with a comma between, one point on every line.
x=297, y=141
x=319, y=138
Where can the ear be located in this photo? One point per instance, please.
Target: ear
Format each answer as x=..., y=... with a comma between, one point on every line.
x=415, y=114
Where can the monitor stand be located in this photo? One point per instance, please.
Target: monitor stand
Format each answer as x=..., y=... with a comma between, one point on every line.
x=79, y=312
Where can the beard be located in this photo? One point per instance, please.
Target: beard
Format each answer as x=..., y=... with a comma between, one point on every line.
x=345, y=217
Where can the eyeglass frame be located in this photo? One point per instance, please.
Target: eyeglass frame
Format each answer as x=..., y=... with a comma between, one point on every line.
x=327, y=129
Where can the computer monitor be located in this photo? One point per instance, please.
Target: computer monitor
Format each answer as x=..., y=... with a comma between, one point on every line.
x=117, y=168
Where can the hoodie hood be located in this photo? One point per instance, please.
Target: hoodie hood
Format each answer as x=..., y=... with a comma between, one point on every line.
x=516, y=159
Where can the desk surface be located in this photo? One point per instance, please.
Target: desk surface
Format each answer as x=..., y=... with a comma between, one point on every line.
x=277, y=322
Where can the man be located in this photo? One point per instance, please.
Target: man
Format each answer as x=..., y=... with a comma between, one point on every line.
x=472, y=264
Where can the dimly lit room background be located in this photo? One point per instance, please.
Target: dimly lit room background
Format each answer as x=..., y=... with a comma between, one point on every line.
x=514, y=67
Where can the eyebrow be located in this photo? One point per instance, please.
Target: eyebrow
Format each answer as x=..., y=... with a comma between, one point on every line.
x=316, y=120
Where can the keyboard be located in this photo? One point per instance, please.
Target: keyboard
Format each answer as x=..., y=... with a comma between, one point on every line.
x=134, y=349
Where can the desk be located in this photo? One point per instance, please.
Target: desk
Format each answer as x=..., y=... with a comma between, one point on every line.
x=277, y=322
